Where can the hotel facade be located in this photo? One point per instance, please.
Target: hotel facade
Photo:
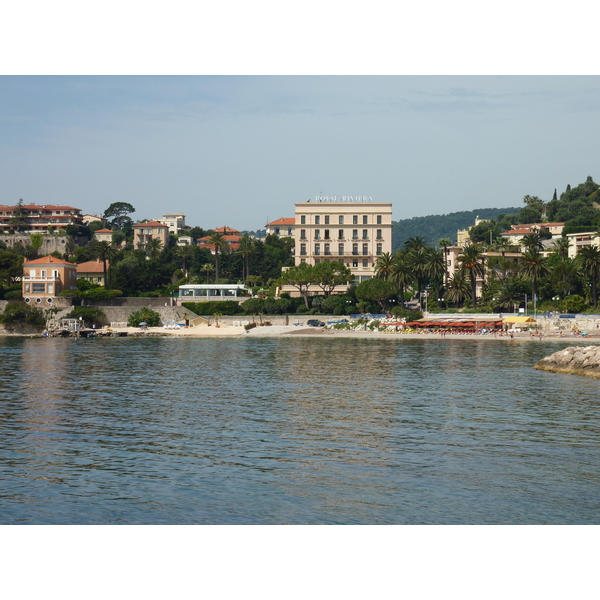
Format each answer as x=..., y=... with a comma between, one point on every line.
x=349, y=229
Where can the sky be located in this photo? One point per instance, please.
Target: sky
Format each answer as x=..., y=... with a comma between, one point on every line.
x=241, y=150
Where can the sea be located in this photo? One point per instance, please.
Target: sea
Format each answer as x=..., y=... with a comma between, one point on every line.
x=294, y=430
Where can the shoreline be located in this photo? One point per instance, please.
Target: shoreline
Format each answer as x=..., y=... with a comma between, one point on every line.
x=312, y=332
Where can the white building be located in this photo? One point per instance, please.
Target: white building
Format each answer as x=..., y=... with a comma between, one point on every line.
x=174, y=221
x=350, y=229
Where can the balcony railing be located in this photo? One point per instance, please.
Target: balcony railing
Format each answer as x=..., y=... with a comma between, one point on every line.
x=40, y=278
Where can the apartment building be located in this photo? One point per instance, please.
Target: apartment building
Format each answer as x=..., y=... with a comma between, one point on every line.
x=174, y=221
x=34, y=218
x=353, y=232
x=144, y=232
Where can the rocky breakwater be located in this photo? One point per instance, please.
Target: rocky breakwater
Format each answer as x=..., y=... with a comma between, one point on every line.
x=578, y=360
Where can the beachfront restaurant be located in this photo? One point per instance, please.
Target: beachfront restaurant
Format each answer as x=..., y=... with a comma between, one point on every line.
x=212, y=291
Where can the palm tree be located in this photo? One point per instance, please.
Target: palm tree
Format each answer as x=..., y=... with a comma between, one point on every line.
x=435, y=268
x=415, y=243
x=472, y=262
x=219, y=243
x=443, y=244
x=588, y=258
x=532, y=241
x=185, y=253
x=208, y=268
x=384, y=265
x=509, y=294
x=417, y=259
x=154, y=246
x=246, y=248
x=105, y=252
x=401, y=274
x=561, y=247
x=458, y=289
x=533, y=267
x=564, y=275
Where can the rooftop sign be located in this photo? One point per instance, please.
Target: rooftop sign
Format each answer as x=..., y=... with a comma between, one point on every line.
x=343, y=199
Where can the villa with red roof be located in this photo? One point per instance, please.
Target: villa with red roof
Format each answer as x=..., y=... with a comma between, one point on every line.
x=44, y=278
x=282, y=227
x=230, y=235
x=92, y=271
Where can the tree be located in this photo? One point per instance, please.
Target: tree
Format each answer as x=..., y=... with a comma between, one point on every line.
x=185, y=254
x=208, y=268
x=154, y=246
x=218, y=242
x=416, y=259
x=299, y=276
x=375, y=290
x=384, y=265
x=246, y=248
x=37, y=241
x=458, y=289
x=532, y=241
x=561, y=248
x=471, y=262
x=104, y=252
x=435, y=268
x=329, y=275
x=11, y=267
x=401, y=275
x=533, y=267
x=144, y=315
x=119, y=212
x=588, y=258
x=443, y=244
x=415, y=243
x=18, y=220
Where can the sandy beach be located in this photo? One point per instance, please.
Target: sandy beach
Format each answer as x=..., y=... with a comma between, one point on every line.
x=295, y=331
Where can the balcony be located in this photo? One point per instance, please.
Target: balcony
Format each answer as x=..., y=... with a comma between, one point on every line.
x=39, y=278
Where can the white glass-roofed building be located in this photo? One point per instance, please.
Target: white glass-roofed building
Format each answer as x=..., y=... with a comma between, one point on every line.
x=212, y=291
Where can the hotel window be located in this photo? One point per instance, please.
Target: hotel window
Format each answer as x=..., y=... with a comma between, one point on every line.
x=379, y=249
x=365, y=249
x=276, y=230
x=378, y=219
x=302, y=249
x=354, y=249
x=289, y=231
x=302, y=219
x=341, y=219
x=317, y=234
x=326, y=219
x=341, y=234
x=317, y=219
x=379, y=236
x=355, y=263
x=354, y=219
x=341, y=249
x=303, y=234
x=326, y=234
x=355, y=234
x=365, y=263
x=365, y=234
x=317, y=249
x=365, y=221
x=327, y=250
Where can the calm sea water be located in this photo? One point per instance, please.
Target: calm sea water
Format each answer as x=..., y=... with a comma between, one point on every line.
x=294, y=430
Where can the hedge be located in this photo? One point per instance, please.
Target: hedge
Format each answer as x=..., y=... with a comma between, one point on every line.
x=224, y=307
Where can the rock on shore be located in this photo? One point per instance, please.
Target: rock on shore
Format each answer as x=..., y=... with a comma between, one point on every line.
x=578, y=360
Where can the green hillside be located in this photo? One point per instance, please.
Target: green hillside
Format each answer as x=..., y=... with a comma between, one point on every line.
x=436, y=227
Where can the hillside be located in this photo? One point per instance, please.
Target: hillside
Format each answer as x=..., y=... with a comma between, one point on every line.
x=436, y=227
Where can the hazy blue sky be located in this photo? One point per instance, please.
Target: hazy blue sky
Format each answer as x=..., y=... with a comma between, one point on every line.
x=230, y=150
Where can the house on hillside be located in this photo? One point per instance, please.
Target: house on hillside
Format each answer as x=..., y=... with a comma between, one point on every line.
x=283, y=227
x=230, y=235
x=144, y=232
x=44, y=278
x=92, y=271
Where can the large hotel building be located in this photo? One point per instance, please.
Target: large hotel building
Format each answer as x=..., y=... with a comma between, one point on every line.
x=353, y=230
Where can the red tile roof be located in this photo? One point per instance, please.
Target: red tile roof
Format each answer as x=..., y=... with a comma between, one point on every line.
x=48, y=260
x=103, y=230
x=92, y=266
x=282, y=221
x=224, y=229
x=151, y=224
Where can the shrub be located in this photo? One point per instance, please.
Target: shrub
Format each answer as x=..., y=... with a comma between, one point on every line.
x=101, y=294
x=13, y=294
x=20, y=312
x=225, y=307
x=144, y=315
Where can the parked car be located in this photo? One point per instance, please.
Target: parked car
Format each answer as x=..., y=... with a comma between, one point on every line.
x=315, y=323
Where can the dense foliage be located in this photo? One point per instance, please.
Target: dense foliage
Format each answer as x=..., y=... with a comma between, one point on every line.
x=90, y=316
x=144, y=315
x=22, y=313
x=225, y=307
